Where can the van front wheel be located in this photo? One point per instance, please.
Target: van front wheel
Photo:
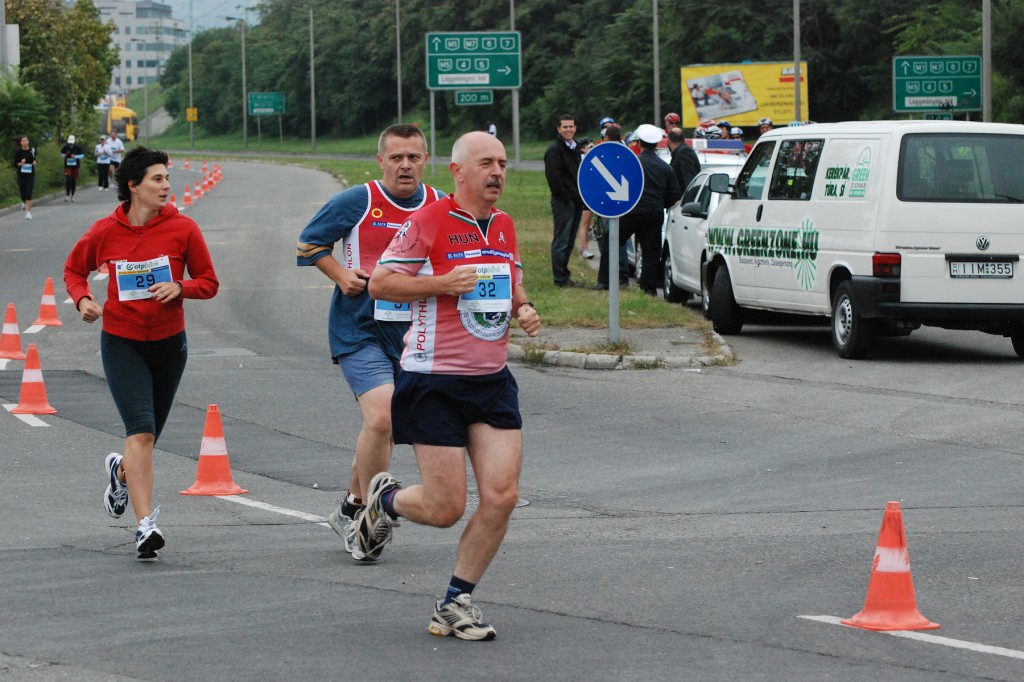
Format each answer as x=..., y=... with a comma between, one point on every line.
x=726, y=314
x=852, y=335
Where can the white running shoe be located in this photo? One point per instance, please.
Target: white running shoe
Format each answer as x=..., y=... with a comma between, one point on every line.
x=148, y=538
x=460, y=618
x=345, y=526
x=373, y=525
x=115, y=500
x=28, y=215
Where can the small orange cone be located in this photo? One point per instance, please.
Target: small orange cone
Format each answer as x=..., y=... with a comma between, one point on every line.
x=206, y=182
x=188, y=197
x=168, y=162
x=10, y=339
x=213, y=476
x=48, y=307
x=186, y=163
x=174, y=199
x=33, y=391
x=204, y=166
x=198, y=193
x=890, y=604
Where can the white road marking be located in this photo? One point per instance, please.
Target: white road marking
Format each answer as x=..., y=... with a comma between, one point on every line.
x=100, y=275
x=3, y=364
x=29, y=419
x=68, y=301
x=275, y=509
x=34, y=329
x=933, y=639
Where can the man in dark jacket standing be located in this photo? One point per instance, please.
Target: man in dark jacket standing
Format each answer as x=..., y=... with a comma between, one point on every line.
x=561, y=165
x=661, y=190
x=684, y=163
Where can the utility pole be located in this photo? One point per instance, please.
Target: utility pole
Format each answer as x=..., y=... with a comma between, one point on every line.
x=398, y=54
x=245, y=95
x=191, y=124
x=312, y=85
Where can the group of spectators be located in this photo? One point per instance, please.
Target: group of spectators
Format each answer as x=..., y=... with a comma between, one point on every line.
x=108, y=154
x=663, y=187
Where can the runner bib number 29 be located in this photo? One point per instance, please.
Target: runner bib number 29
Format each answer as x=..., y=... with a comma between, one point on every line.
x=134, y=278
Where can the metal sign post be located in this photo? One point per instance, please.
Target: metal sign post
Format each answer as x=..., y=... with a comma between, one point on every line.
x=611, y=181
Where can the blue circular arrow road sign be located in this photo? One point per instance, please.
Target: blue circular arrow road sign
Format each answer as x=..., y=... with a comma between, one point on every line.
x=610, y=179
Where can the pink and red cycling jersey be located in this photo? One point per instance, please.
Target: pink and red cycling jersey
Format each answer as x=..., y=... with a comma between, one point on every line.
x=442, y=338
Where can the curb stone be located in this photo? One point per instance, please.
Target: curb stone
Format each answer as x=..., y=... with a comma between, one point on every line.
x=563, y=358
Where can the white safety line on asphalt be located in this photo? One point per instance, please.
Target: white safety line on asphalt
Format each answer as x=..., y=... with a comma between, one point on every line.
x=68, y=301
x=34, y=329
x=932, y=639
x=275, y=509
x=3, y=364
x=100, y=275
x=29, y=419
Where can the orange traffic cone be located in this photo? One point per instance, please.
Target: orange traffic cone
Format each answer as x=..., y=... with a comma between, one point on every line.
x=213, y=476
x=204, y=166
x=198, y=193
x=890, y=604
x=33, y=391
x=10, y=339
x=48, y=307
x=168, y=162
x=174, y=199
x=188, y=197
x=206, y=182
x=186, y=163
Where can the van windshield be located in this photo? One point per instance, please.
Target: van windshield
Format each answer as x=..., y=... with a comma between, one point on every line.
x=951, y=167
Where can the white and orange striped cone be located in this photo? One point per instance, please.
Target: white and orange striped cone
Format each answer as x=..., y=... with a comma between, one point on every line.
x=33, y=391
x=48, y=307
x=10, y=339
x=198, y=192
x=890, y=603
x=188, y=197
x=186, y=163
x=204, y=166
x=168, y=162
x=174, y=200
x=206, y=183
x=213, y=475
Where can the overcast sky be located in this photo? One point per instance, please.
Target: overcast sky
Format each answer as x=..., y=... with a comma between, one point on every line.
x=210, y=13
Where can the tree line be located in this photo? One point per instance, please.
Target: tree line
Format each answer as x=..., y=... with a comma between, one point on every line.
x=590, y=58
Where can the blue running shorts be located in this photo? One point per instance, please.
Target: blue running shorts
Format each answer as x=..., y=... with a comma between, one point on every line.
x=368, y=368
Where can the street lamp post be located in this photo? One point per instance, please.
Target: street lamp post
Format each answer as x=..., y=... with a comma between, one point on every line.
x=245, y=95
x=312, y=85
x=145, y=87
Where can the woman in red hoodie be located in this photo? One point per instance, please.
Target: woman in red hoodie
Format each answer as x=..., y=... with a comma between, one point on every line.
x=148, y=247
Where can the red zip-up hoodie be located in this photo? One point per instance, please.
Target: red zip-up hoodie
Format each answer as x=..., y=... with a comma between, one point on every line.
x=112, y=239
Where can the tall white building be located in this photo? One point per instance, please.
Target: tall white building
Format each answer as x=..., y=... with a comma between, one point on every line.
x=146, y=34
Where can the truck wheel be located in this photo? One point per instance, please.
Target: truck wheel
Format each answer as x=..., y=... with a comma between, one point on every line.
x=672, y=293
x=852, y=335
x=726, y=315
x=1018, y=343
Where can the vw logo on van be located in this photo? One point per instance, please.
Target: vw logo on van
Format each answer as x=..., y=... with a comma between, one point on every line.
x=982, y=243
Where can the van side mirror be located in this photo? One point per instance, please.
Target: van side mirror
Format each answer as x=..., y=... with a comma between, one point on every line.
x=719, y=182
x=692, y=210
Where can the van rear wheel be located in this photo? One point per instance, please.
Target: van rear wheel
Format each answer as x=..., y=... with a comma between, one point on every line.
x=852, y=335
x=1018, y=343
x=726, y=314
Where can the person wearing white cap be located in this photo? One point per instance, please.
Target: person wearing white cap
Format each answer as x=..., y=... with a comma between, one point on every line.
x=73, y=155
x=102, y=152
x=661, y=190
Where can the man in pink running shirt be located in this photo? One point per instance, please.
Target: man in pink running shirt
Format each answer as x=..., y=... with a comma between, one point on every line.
x=457, y=262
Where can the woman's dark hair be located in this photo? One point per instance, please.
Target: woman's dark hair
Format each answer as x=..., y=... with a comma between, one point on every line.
x=133, y=169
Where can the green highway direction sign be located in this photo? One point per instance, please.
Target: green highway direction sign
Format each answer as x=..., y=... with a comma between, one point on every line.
x=456, y=61
x=936, y=83
x=266, y=103
x=474, y=97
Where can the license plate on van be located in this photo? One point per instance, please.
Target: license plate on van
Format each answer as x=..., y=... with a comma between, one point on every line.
x=975, y=270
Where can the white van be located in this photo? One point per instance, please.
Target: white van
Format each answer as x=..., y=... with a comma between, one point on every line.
x=882, y=225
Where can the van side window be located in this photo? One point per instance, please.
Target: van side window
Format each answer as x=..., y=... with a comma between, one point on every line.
x=793, y=176
x=751, y=180
x=946, y=167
